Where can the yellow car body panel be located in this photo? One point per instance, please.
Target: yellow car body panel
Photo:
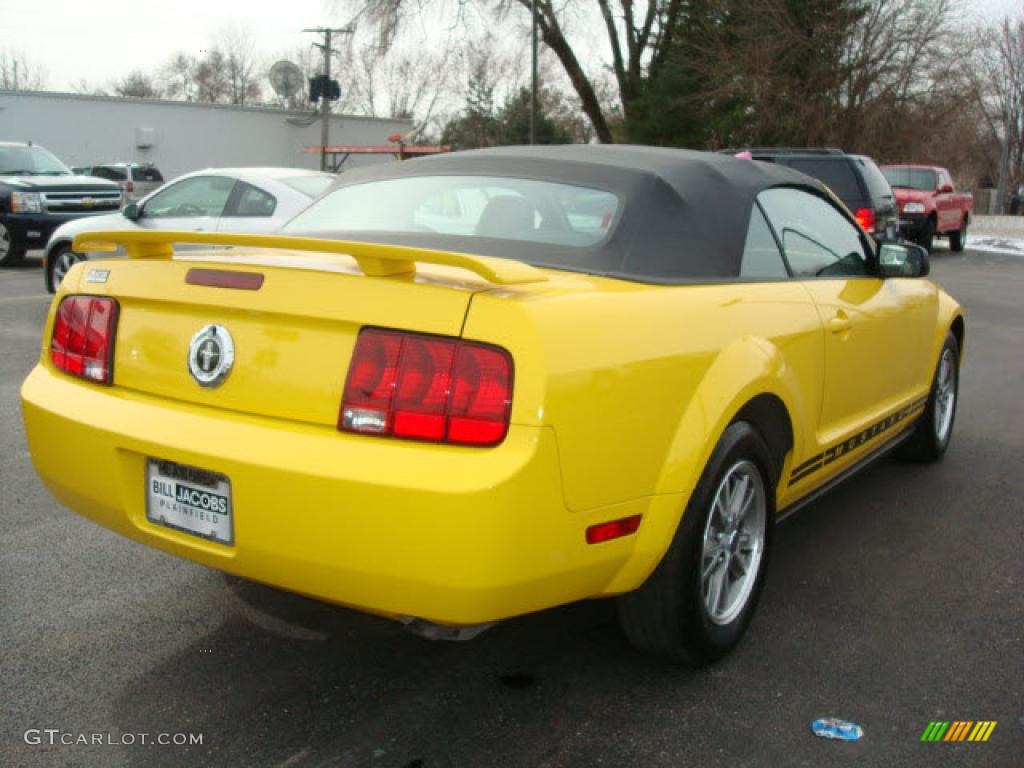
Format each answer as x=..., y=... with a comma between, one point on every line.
x=621, y=392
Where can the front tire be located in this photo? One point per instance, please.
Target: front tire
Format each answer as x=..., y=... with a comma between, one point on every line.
x=934, y=429
x=958, y=239
x=58, y=263
x=11, y=253
x=696, y=605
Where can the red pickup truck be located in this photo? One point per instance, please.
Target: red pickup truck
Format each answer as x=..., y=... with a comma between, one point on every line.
x=929, y=206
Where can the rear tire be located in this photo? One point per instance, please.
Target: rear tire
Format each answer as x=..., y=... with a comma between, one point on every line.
x=934, y=429
x=927, y=237
x=696, y=605
x=958, y=239
x=11, y=253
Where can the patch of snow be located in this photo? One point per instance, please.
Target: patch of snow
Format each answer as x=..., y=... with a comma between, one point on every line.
x=1009, y=246
x=1013, y=246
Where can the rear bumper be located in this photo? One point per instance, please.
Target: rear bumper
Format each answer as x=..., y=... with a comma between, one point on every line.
x=912, y=224
x=887, y=227
x=448, y=534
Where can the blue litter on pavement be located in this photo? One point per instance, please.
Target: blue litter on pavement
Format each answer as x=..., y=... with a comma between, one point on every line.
x=831, y=728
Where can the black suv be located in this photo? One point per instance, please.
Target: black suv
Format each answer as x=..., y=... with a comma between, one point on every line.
x=855, y=179
x=38, y=193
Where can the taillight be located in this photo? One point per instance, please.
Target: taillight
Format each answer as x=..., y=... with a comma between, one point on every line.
x=432, y=388
x=83, y=337
x=129, y=187
x=866, y=218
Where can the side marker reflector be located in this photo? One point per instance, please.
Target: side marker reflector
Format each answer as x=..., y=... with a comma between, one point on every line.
x=613, y=529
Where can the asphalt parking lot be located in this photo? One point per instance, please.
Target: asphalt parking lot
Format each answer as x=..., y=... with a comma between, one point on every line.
x=895, y=601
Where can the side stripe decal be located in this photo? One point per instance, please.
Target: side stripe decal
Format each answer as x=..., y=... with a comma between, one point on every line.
x=840, y=449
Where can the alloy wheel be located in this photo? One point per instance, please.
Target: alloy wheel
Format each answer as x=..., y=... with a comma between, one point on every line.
x=64, y=261
x=733, y=544
x=945, y=396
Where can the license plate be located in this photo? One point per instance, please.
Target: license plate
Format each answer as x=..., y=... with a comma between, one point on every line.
x=188, y=499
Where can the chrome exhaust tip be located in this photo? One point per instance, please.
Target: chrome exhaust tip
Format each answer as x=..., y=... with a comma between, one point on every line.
x=432, y=631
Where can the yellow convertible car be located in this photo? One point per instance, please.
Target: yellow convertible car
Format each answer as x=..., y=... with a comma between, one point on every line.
x=465, y=388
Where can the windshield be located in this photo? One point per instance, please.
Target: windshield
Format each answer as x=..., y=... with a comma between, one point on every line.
x=910, y=178
x=466, y=208
x=30, y=161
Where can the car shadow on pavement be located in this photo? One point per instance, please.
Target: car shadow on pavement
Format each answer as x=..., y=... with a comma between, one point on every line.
x=847, y=613
x=33, y=260
x=290, y=681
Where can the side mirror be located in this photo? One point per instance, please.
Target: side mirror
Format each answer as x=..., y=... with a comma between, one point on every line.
x=902, y=260
x=132, y=211
x=945, y=189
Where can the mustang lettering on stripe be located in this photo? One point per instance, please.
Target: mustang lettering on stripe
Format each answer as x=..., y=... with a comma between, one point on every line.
x=839, y=450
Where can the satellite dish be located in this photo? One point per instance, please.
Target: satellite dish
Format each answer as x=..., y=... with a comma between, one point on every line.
x=286, y=79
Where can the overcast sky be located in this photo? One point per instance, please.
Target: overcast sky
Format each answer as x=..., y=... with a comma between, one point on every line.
x=104, y=39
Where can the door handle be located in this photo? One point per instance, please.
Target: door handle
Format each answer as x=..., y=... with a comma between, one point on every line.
x=840, y=323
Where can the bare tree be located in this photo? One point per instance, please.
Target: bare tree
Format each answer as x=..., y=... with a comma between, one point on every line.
x=211, y=84
x=178, y=76
x=1000, y=74
x=412, y=84
x=84, y=87
x=899, y=52
x=842, y=73
x=18, y=72
x=229, y=72
x=242, y=70
x=136, y=85
x=635, y=34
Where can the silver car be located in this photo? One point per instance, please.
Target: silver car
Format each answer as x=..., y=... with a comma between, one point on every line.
x=252, y=200
x=135, y=179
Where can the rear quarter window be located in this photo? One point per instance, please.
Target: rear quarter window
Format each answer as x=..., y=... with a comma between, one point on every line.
x=253, y=201
x=838, y=174
x=147, y=174
x=878, y=186
x=108, y=172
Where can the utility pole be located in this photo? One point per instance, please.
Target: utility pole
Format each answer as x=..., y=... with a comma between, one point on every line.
x=533, y=71
x=325, y=102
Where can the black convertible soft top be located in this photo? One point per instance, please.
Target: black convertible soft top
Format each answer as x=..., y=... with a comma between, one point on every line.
x=685, y=213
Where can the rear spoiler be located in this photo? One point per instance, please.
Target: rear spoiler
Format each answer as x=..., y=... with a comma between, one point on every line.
x=374, y=259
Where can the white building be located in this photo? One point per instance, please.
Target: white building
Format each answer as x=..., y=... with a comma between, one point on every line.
x=179, y=136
